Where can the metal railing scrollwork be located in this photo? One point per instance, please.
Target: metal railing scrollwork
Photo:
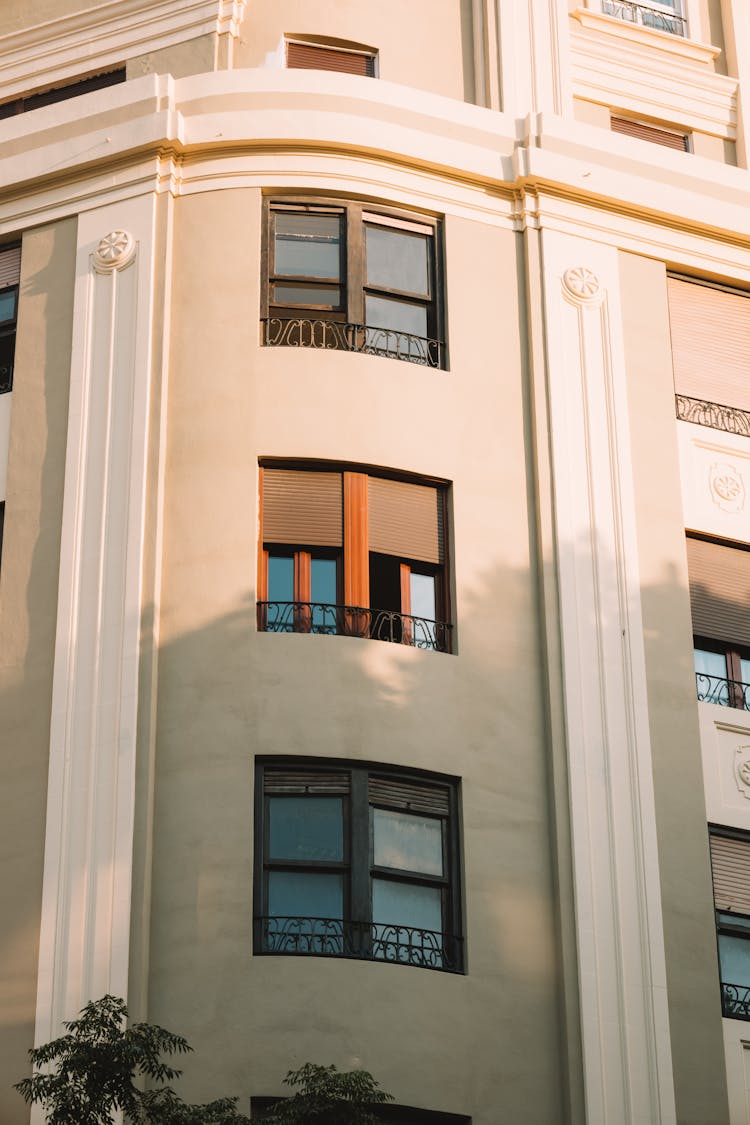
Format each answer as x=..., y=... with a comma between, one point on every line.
x=722, y=692
x=646, y=15
x=368, y=941
x=306, y=332
x=354, y=621
x=728, y=418
x=735, y=1001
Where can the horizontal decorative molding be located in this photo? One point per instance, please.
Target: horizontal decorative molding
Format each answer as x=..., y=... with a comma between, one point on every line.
x=651, y=74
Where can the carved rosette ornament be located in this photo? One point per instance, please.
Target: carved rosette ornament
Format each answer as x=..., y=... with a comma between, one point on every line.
x=727, y=487
x=581, y=283
x=114, y=251
x=742, y=770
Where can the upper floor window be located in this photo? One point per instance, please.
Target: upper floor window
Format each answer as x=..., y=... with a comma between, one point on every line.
x=346, y=276
x=354, y=554
x=10, y=274
x=332, y=55
x=655, y=134
x=720, y=605
x=663, y=15
x=355, y=861
x=40, y=98
x=730, y=864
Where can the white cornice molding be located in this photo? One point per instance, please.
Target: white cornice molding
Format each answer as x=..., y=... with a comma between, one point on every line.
x=649, y=38
x=101, y=36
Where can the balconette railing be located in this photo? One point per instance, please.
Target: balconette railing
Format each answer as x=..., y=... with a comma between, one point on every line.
x=735, y=1001
x=728, y=418
x=354, y=621
x=723, y=692
x=368, y=941
x=647, y=15
x=303, y=332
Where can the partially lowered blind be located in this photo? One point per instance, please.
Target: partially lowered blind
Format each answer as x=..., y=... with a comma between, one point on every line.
x=710, y=342
x=310, y=56
x=719, y=591
x=406, y=520
x=652, y=133
x=10, y=266
x=302, y=507
x=730, y=864
x=409, y=795
x=305, y=781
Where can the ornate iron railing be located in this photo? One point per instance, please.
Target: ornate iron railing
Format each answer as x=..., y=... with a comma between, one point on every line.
x=723, y=692
x=735, y=1001
x=354, y=621
x=728, y=418
x=7, y=341
x=303, y=332
x=646, y=16
x=368, y=941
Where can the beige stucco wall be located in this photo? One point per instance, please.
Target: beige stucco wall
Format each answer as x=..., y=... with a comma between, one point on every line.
x=28, y=604
x=687, y=899
x=227, y=693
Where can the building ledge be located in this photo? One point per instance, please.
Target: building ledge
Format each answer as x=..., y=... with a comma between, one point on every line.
x=688, y=50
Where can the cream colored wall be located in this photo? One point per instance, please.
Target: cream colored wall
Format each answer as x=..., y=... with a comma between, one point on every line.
x=687, y=899
x=228, y=693
x=426, y=44
x=17, y=14
x=28, y=601
x=195, y=56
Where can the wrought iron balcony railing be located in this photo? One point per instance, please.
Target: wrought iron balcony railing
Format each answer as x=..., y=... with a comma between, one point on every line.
x=303, y=332
x=646, y=15
x=367, y=941
x=354, y=621
x=728, y=418
x=735, y=1001
x=725, y=693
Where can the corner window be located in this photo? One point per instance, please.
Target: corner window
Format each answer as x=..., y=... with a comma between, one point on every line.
x=332, y=55
x=730, y=865
x=342, y=276
x=662, y=15
x=720, y=603
x=10, y=273
x=51, y=95
x=353, y=861
x=354, y=554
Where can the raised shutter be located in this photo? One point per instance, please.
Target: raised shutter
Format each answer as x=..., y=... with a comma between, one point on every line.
x=406, y=520
x=719, y=591
x=302, y=507
x=710, y=342
x=654, y=133
x=730, y=863
x=305, y=781
x=10, y=266
x=310, y=56
x=396, y=794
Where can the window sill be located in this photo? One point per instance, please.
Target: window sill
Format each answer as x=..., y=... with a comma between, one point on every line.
x=688, y=50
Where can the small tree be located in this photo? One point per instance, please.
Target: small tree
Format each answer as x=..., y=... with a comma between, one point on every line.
x=326, y=1096
x=88, y=1074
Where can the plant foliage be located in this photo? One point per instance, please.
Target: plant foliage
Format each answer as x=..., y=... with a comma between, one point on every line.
x=326, y=1096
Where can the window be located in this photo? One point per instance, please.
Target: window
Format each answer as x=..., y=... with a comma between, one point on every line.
x=10, y=274
x=663, y=15
x=730, y=864
x=61, y=93
x=355, y=554
x=357, y=862
x=343, y=276
x=329, y=56
x=656, y=134
x=720, y=605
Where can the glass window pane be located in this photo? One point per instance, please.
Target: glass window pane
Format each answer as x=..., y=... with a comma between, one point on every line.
x=328, y=296
x=8, y=305
x=306, y=828
x=308, y=245
x=280, y=578
x=398, y=316
x=711, y=677
x=734, y=957
x=407, y=842
x=710, y=663
x=398, y=260
x=745, y=670
x=302, y=894
x=406, y=904
x=323, y=580
x=422, y=591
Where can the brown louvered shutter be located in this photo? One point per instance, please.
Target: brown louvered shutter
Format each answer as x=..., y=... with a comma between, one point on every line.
x=658, y=136
x=305, y=781
x=302, y=507
x=710, y=342
x=406, y=520
x=719, y=591
x=310, y=56
x=412, y=796
x=730, y=864
x=10, y=266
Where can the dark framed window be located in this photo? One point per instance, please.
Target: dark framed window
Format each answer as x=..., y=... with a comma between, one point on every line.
x=353, y=553
x=357, y=861
x=730, y=865
x=10, y=273
x=720, y=604
x=347, y=276
x=39, y=98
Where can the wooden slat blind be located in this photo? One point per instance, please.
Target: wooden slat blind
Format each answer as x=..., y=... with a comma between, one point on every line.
x=406, y=520
x=710, y=342
x=654, y=133
x=409, y=795
x=719, y=591
x=10, y=266
x=310, y=56
x=305, y=781
x=730, y=863
x=302, y=507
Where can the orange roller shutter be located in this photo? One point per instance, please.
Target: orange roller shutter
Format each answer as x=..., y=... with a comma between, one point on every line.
x=652, y=133
x=710, y=342
x=730, y=863
x=406, y=520
x=308, y=56
x=719, y=591
x=10, y=266
x=302, y=507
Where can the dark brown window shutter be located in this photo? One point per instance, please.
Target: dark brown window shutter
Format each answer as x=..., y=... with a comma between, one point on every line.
x=310, y=56
x=408, y=795
x=302, y=507
x=10, y=266
x=710, y=342
x=305, y=781
x=653, y=133
x=406, y=520
x=719, y=591
x=730, y=863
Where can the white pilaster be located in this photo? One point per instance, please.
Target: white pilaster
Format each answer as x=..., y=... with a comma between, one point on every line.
x=624, y=1018
x=84, y=940
x=735, y=18
x=535, y=57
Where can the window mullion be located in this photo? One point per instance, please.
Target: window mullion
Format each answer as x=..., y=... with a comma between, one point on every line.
x=355, y=264
x=360, y=908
